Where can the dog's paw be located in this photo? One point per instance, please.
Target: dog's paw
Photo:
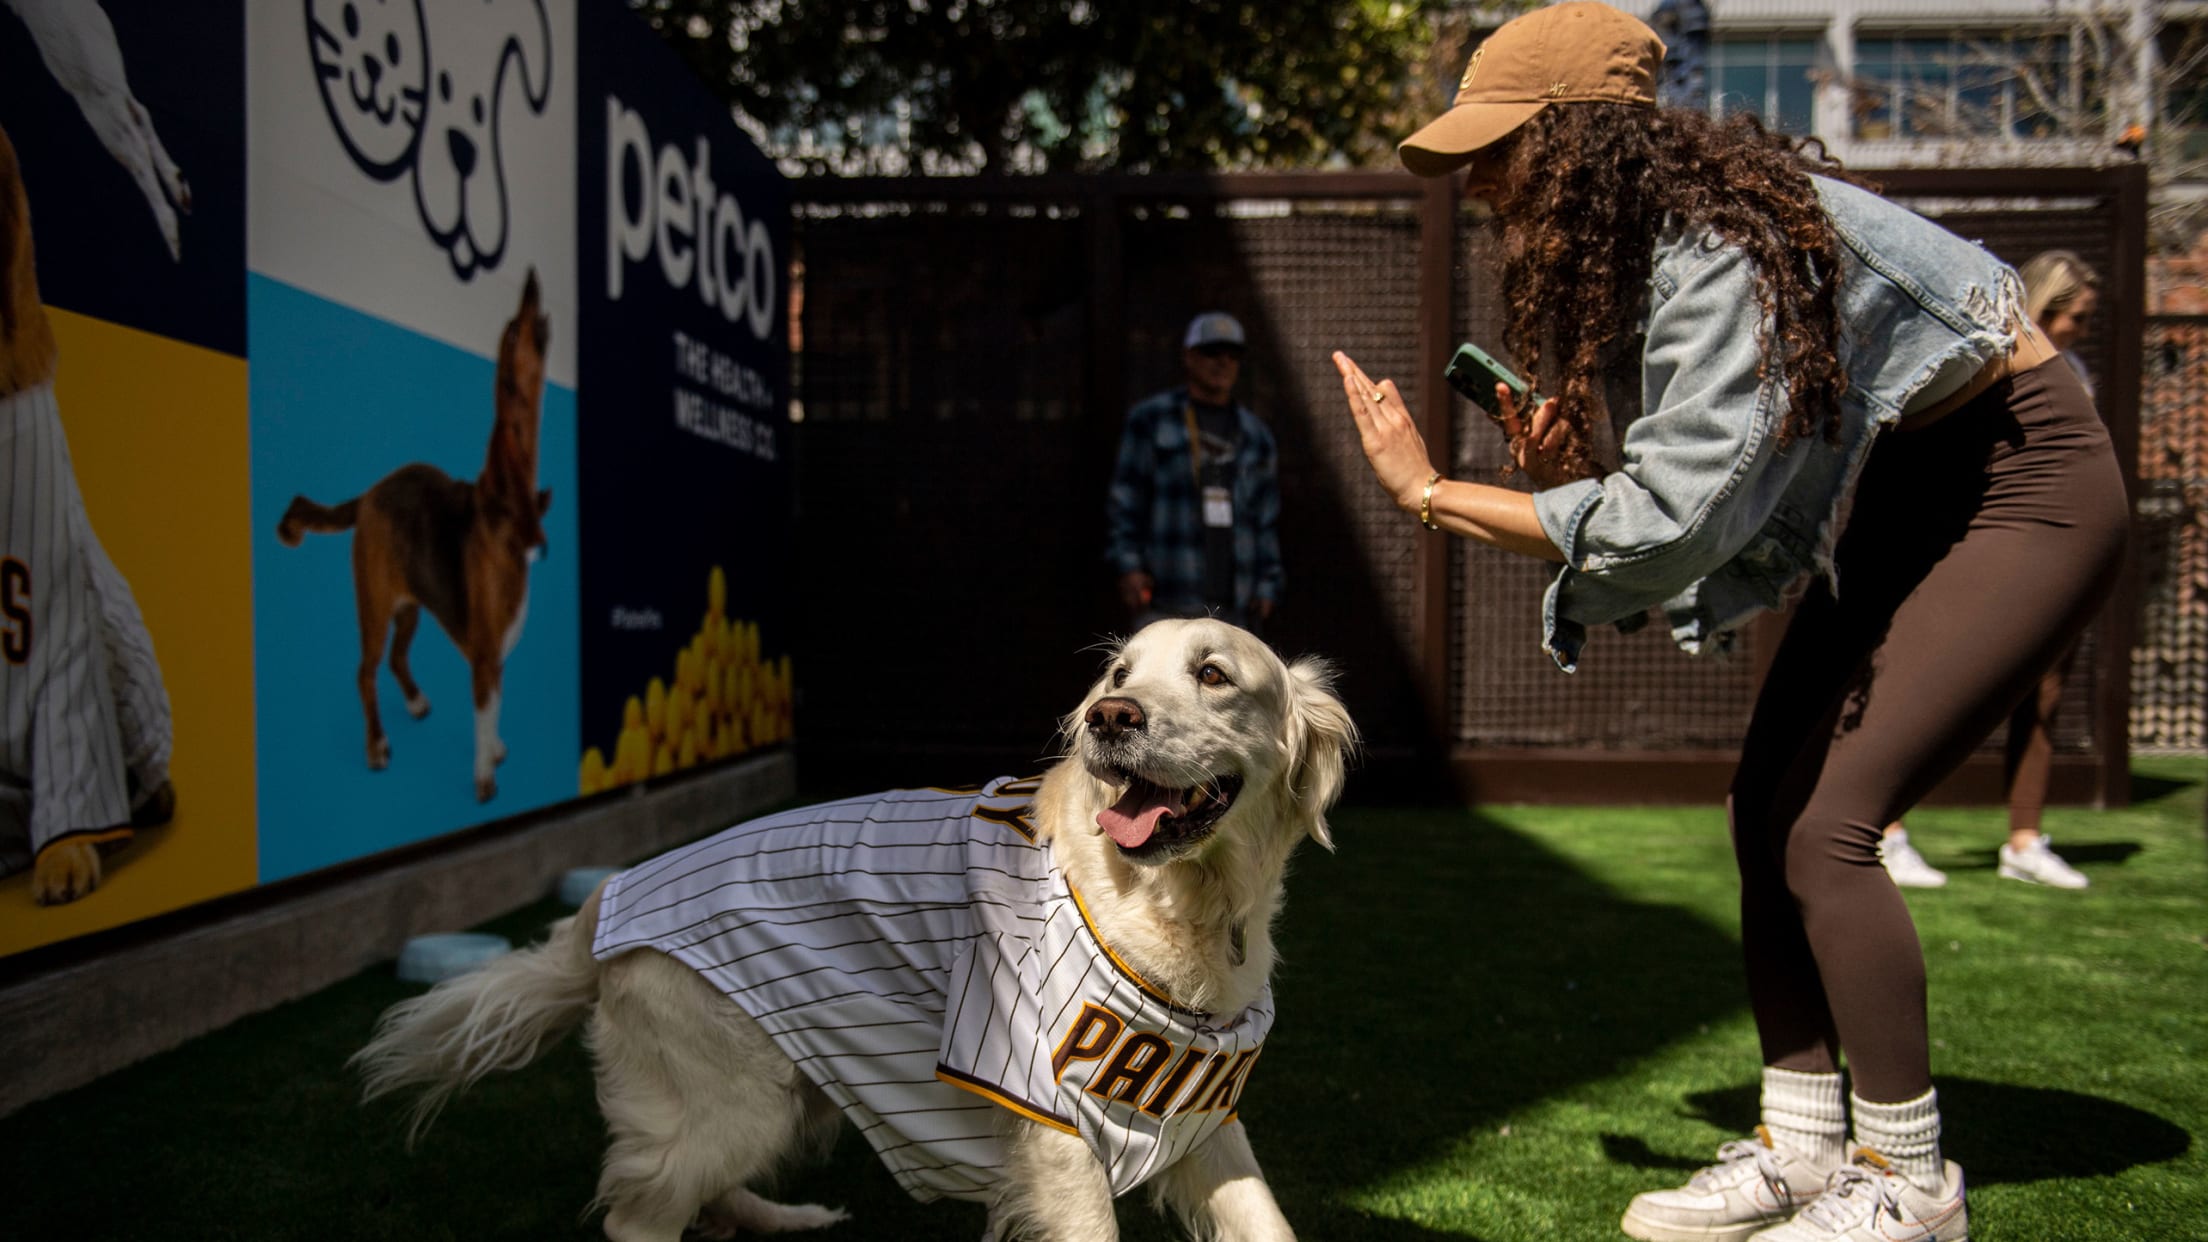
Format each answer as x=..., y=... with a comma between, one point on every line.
x=740, y=1212
x=812, y=1216
x=379, y=754
x=66, y=870
x=418, y=706
x=485, y=789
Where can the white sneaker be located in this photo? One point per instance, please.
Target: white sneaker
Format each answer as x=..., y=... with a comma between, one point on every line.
x=1906, y=865
x=1868, y=1202
x=2038, y=863
x=1754, y=1184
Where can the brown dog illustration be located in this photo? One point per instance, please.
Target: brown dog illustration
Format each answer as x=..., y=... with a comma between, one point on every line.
x=422, y=539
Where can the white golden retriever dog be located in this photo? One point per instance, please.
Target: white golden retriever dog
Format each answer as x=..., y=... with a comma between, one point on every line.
x=1038, y=994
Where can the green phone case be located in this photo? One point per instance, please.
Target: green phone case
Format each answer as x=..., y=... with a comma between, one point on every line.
x=1474, y=373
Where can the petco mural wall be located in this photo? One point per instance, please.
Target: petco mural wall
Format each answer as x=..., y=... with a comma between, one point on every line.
x=391, y=435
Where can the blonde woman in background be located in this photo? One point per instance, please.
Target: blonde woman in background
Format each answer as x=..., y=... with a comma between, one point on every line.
x=2060, y=295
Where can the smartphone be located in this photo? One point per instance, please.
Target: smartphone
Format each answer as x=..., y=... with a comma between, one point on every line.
x=1474, y=373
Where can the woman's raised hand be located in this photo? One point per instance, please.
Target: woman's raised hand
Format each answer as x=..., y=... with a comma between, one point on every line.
x=1390, y=438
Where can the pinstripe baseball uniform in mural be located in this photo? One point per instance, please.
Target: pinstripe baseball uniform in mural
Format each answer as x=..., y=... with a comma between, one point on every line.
x=84, y=719
x=921, y=956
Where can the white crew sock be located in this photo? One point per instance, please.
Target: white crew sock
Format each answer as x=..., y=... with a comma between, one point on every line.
x=1806, y=1114
x=1907, y=1135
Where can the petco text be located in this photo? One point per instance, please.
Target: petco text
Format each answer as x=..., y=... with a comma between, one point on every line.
x=698, y=229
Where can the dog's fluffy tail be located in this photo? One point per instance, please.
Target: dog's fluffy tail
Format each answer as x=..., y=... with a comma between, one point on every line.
x=305, y=517
x=497, y=1017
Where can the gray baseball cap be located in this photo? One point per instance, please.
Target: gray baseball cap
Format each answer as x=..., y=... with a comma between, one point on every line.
x=1213, y=328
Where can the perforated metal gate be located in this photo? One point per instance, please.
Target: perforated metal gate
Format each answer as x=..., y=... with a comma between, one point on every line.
x=2169, y=670
x=970, y=349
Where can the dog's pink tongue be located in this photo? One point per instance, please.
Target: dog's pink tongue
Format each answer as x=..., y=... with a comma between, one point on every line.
x=1132, y=819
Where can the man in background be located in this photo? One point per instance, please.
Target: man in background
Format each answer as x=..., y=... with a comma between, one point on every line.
x=1194, y=509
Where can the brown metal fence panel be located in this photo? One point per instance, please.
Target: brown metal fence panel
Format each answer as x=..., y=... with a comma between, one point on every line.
x=969, y=350
x=943, y=389
x=2169, y=669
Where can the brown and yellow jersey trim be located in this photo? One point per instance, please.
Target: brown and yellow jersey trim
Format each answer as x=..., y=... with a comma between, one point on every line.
x=1126, y=971
x=1000, y=1097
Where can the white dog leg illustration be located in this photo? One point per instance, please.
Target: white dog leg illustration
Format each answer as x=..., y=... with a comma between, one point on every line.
x=77, y=42
x=489, y=751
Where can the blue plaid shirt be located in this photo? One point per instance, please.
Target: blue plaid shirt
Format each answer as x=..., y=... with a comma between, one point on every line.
x=1155, y=515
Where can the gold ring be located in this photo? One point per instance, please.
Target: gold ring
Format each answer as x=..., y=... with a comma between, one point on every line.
x=1379, y=396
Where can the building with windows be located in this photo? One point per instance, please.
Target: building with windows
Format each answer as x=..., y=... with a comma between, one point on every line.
x=1898, y=83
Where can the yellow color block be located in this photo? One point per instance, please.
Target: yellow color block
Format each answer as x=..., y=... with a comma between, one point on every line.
x=157, y=432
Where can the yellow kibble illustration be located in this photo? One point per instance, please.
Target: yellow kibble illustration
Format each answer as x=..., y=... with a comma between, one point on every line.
x=721, y=698
x=678, y=712
x=632, y=756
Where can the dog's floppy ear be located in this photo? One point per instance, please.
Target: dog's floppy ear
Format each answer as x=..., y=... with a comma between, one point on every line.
x=1321, y=741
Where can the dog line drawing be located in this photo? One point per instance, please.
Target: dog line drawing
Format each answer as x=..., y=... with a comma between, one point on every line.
x=422, y=539
x=421, y=89
x=77, y=42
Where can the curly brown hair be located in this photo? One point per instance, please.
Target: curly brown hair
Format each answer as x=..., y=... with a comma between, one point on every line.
x=1589, y=187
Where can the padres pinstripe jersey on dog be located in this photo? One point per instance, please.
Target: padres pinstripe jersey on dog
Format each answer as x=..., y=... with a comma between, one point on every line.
x=918, y=949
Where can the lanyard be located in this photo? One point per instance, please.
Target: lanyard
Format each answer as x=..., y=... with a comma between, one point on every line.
x=1195, y=445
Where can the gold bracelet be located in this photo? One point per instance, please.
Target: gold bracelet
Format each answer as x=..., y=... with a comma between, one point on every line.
x=1426, y=503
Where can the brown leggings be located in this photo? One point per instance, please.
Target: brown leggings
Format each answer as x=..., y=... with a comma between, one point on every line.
x=1978, y=549
x=2029, y=758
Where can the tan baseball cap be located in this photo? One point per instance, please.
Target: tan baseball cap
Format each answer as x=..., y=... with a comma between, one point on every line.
x=1578, y=50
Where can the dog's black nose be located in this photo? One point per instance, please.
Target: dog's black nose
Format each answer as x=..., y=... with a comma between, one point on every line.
x=1112, y=717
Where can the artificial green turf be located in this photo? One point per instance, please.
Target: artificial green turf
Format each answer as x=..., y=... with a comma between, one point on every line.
x=1496, y=1025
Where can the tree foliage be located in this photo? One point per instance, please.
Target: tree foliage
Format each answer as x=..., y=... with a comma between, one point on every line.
x=948, y=86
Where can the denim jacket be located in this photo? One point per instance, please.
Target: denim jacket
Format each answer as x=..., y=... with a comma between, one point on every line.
x=1705, y=515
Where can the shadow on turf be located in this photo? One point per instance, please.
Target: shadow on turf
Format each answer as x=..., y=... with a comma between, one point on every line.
x=2095, y=853
x=1439, y=974
x=1998, y=1132
x=2145, y=789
